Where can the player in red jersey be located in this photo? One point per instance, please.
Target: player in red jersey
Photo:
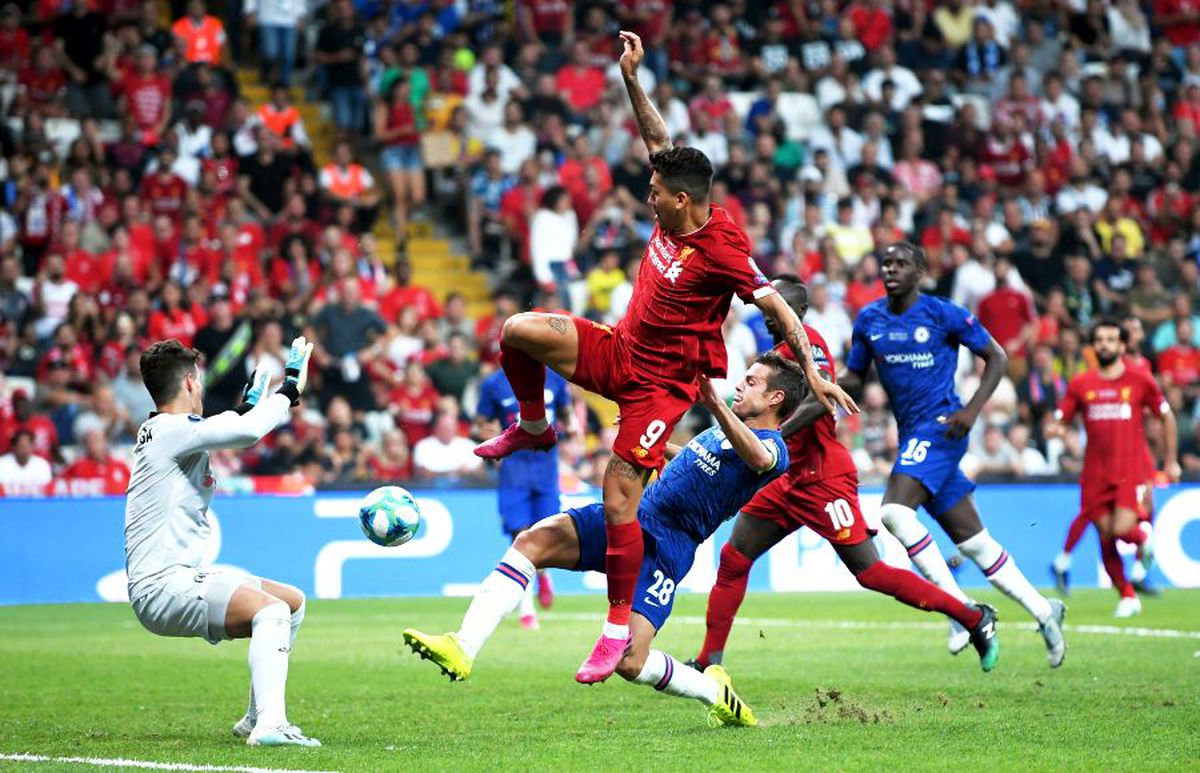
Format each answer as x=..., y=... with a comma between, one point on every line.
x=697, y=259
x=1110, y=400
x=1061, y=566
x=820, y=491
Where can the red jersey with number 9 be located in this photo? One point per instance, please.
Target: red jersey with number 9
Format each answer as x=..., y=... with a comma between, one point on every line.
x=682, y=295
x=815, y=451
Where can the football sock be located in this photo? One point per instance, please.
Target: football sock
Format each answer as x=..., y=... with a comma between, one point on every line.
x=1062, y=562
x=297, y=621
x=251, y=708
x=908, y=588
x=723, y=602
x=1137, y=572
x=622, y=564
x=269, y=634
x=1135, y=536
x=666, y=674
x=1002, y=572
x=1115, y=567
x=498, y=595
x=1075, y=533
x=526, y=608
x=528, y=379
x=902, y=522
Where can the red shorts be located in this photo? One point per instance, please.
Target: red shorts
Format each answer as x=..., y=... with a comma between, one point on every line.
x=829, y=507
x=1102, y=497
x=649, y=411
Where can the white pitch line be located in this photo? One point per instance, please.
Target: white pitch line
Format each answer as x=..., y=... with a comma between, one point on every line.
x=776, y=622
x=119, y=763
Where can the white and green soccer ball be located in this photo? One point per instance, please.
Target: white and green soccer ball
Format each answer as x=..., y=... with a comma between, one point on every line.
x=389, y=516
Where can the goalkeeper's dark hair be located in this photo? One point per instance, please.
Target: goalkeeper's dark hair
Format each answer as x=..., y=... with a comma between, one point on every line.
x=164, y=366
x=684, y=169
x=788, y=377
x=908, y=250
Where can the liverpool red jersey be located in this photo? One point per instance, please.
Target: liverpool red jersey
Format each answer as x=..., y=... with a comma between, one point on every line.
x=815, y=452
x=682, y=295
x=1112, y=415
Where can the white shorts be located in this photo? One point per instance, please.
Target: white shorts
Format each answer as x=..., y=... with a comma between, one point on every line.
x=191, y=602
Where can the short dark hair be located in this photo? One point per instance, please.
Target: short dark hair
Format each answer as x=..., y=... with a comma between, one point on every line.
x=793, y=291
x=1107, y=321
x=16, y=436
x=684, y=169
x=786, y=376
x=908, y=250
x=164, y=366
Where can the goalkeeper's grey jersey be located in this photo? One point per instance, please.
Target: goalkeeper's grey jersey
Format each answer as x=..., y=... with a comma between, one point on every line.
x=166, y=510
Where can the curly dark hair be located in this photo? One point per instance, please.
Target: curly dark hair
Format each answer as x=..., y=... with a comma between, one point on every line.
x=684, y=169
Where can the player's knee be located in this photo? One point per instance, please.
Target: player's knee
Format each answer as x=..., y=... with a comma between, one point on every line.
x=734, y=563
x=631, y=665
x=517, y=329
x=531, y=544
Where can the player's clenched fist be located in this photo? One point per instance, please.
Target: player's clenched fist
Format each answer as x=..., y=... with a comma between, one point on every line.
x=632, y=54
x=295, y=371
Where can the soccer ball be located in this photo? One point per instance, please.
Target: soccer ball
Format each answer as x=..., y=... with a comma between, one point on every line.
x=389, y=516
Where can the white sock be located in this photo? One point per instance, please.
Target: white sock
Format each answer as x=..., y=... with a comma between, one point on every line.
x=269, y=649
x=526, y=608
x=251, y=709
x=297, y=621
x=1137, y=572
x=535, y=427
x=498, y=595
x=666, y=674
x=614, y=631
x=1062, y=562
x=902, y=522
x=1001, y=570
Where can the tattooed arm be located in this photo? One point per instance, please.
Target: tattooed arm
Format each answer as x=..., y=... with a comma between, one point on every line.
x=650, y=124
x=828, y=393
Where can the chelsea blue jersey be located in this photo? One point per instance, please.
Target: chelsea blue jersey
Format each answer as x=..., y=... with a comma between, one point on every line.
x=707, y=483
x=916, y=354
x=527, y=469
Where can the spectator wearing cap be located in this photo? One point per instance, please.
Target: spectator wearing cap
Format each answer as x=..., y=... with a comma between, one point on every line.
x=23, y=473
x=200, y=37
x=277, y=22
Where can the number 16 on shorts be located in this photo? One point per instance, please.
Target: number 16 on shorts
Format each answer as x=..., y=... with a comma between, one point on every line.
x=915, y=452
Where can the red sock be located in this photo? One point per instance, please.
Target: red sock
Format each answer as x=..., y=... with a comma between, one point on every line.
x=917, y=592
x=528, y=379
x=622, y=564
x=723, y=601
x=1075, y=533
x=1115, y=567
x=1134, y=536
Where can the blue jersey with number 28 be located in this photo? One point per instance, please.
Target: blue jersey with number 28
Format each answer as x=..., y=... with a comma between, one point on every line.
x=707, y=483
x=915, y=354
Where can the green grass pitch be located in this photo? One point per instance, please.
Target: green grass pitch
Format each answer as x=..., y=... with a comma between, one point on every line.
x=882, y=691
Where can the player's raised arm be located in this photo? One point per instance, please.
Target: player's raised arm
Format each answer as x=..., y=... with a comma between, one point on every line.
x=760, y=456
x=826, y=392
x=650, y=123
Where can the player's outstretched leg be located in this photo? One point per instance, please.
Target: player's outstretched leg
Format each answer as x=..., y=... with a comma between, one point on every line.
x=901, y=521
x=528, y=343
x=964, y=527
x=979, y=621
x=552, y=542
x=1061, y=567
x=664, y=673
x=724, y=600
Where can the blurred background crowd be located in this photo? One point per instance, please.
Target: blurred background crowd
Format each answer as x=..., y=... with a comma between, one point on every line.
x=236, y=173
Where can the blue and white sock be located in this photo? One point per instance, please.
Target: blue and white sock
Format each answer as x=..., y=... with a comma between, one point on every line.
x=667, y=675
x=498, y=595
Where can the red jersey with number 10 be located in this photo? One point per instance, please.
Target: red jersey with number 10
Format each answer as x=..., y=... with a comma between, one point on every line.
x=1112, y=416
x=815, y=451
x=682, y=295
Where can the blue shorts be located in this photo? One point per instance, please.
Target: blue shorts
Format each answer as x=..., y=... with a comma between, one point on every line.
x=401, y=157
x=927, y=455
x=668, y=558
x=522, y=507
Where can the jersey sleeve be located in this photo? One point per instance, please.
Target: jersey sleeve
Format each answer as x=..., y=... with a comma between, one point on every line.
x=734, y=267
x=1069, y=405
x=967, y=330
x=859, y=357
x=488, y=406
x=1152, y=397
x=231, y=429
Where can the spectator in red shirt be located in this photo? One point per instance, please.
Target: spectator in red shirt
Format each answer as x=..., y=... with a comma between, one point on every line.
x=146, y=95
x=518, y=205
x=866, y=286
x=393, y=461
x=172, y=320
x=14, y=41
x=404, y=294
x=96, y=473
x=1008, y=314
x=414, y=402
x=1179, y=21
x=712, y=100
x=487, y=329
x=1179, y=365
x=546, y=23
x=45, y=436
x=872, y=24
x=82, y=267
x=165, y=192
x=723, y=45
x=1007, y=155
x=42, y=88
x=573, y=173
x=581, y=83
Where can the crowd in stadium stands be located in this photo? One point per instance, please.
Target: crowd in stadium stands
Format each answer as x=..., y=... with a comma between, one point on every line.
x=1043, y=152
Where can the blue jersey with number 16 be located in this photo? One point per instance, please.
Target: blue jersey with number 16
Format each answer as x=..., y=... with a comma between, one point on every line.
x=916, y=354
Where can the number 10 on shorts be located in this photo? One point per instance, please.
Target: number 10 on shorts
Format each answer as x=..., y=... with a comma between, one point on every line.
x=840, y=514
